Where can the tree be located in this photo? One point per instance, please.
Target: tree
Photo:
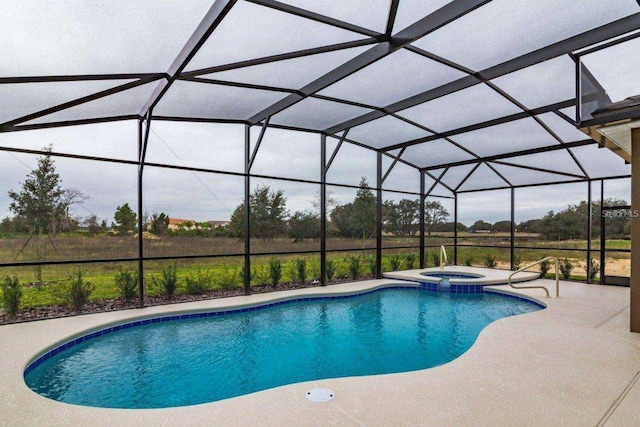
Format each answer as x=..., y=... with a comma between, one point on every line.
x=501, y=227
x=448, y=227
x=481, y=225
x=268, y=214
x=570, y=224
x=434, y=213
x=14, y=224
x=304, y=225
x=357, y=219
x=42, y=203
x=125, y=219
x=159, y=223
x=401, y=217
x=92, y=225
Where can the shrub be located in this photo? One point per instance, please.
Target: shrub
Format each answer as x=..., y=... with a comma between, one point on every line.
x=490, y=261
x=261, y=275
x=198, y=283
x=395, y=263
x=127, y=284
x=435, y=259
x=243, y=274
x=373, y=268
x=228, y=278
x=468, y=261
x=330, y=269
x=565, y=268
x=517, y=262
x=168, y=280
x=409, y=260
x=595, y=269
x=11, y=295
x=275, y=271
x=354, y=266
x=544, y=268
x=77, y=291
x=300, y=271
x=313, y=272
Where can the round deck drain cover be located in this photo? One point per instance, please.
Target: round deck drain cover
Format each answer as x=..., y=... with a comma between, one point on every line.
x=320, y=394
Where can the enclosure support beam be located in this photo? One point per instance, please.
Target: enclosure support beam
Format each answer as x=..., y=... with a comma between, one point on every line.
x=602, y=226
x=143, y=140
x=209, y=23
x=335, y=152
x=323, y=210
x=635, y=231
x=395, y=161
x=589, y=230
x=140, y=240
x=422, y=227
x=379, y=217
x=247, y=211
x=455, y=229
x=513, y=229
x=258, y=142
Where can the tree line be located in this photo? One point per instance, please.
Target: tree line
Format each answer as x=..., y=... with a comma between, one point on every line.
x=42, y=205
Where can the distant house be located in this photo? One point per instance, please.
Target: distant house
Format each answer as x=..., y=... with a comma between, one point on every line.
x=216, y=224
x=190, y=224
x=177, y=223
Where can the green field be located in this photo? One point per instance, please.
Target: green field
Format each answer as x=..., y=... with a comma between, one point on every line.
x=101, y=275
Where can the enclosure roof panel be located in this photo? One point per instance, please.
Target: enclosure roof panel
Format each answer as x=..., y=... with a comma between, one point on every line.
x=542, y=84
x=252, y=31
x=45, y=38
x=372, y=14
x=506, y=137
x=463, y=108
x=381, y=132
x=201, y=100
x=393, y=78
x=291, y=73
x=504, y=29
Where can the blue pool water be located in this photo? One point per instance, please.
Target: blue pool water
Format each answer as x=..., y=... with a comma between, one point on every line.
x=190, y=361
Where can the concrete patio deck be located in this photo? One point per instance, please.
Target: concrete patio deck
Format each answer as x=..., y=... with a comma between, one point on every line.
x=574, y=363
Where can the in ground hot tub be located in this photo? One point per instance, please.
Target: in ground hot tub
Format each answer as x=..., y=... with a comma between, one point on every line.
x=459, y=279
x=453, y=281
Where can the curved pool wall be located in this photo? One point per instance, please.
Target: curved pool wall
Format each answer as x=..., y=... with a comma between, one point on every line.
x=460, y=279
x=52, y=353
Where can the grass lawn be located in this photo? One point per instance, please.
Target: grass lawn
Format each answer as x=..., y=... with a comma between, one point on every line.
x=228, y=269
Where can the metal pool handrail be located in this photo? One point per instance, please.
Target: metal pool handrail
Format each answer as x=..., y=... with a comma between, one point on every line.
x=443, y=256
x=555, y=260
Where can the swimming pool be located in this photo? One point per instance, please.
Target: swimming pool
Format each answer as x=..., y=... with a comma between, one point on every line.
x=203, y=357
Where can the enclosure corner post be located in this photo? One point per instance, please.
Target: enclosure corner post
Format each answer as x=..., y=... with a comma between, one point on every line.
x=602, y=236
x=143, y=140
x=635, y=231
x=455, y=228
x=512, y=248
x=323, y=210
x=589, y=230
x=422, y=226
x=247, y=211
x=379, y=217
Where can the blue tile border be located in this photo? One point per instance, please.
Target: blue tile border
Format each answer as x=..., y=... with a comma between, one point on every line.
x=464, y=289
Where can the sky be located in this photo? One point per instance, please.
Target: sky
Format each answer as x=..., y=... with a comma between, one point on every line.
x=95, y=37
